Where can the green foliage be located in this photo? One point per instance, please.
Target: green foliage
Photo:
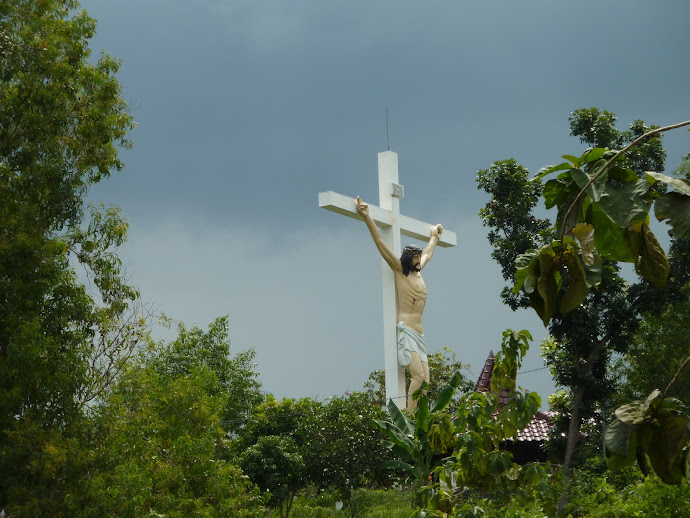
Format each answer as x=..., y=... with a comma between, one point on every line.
x=237, y=379
x=417, y=443
x=341, y=449
x=657, y=426
x=62, y=124
x=159, y=448
x=598, y=197
x=344, y=449
x=467, y=448
x=597, y=129
x=657, y=352
x=509, y=359
x=594, y=496
x=603, y=211
x=514, y=229
x=613, y=201
x=158, y=444
x=480, y=460
x=570, y=278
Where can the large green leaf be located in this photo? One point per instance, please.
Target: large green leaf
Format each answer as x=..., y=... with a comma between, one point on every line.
x=679, y=185
x=538, y=273
x=626, y=198
x=652, y=263
x=577, y=284
x=596, y=189
x=547, y=170
x=549, y=282
x=594, y=154
x=422, y=415
x=619, y=193
x=400, y=451
x=612, y=241
x=584, y=233
x=539, y=306
x=659, y=428
x=620, y=445
x=399, y=419
x=632, y=413
x=527, y=271
x=676, y=208
x=397, y=436
x=577, y=161
x=557, y=190
x=668, y=439
x=446, y=394
x=571, y=199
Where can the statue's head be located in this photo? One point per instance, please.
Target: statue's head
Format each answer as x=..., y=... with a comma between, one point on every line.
x=411, y=255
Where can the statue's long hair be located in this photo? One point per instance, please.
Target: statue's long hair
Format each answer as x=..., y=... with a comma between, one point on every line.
x=406, y=258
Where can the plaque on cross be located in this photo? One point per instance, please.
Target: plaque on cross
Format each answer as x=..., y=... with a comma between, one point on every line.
x=391, y=225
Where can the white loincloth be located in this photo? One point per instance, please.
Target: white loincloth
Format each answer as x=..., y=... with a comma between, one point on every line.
x=410, y=340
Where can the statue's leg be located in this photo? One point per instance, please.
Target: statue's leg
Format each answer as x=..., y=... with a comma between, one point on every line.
x=419, y=374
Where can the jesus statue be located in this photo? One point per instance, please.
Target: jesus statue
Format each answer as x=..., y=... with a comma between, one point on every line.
x=411, y=299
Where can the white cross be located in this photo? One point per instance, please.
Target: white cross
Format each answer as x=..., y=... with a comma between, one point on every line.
x=391, y=224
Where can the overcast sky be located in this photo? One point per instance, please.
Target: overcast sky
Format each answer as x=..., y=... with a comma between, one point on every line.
x=247, y=109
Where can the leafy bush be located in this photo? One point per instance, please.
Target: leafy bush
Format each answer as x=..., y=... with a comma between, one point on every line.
x=650, y=497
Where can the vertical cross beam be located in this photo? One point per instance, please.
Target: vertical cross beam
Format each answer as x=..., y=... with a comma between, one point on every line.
x=395, y=374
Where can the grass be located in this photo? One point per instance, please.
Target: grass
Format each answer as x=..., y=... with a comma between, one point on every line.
x=365, y=503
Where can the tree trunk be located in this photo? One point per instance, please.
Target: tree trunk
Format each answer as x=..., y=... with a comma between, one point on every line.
x=573, y=429
x=572, y=440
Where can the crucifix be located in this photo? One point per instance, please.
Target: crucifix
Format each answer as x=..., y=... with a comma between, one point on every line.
x=391, y=225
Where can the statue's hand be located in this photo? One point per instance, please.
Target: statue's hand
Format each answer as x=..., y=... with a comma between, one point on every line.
x=362, y=207
x=436, y=231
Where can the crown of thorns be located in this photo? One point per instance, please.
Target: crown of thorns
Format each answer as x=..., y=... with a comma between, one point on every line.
x=412, y=250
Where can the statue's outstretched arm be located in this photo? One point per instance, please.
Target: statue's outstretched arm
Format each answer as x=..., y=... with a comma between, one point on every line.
x=436, y=232
x=385, y=252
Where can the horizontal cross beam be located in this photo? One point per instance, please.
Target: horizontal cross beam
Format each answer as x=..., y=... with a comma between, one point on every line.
x=409, y=227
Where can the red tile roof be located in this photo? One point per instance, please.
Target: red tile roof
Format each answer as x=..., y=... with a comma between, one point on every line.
x=538, y=428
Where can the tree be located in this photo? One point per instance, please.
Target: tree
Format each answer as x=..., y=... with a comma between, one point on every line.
x=62, y=124
x=604, y=213
x=237, y=380
x=159, y=448
x=663, y=340
x=343, y=449
x=602, y=200
x=656, y=425
x=340, y=447
x=276, y=466
x=509, y=215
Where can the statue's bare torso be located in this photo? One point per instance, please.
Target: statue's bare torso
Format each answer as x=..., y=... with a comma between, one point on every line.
x=411, y=292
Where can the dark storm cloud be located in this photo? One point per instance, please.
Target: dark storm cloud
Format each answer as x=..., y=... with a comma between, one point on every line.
x=248, y=109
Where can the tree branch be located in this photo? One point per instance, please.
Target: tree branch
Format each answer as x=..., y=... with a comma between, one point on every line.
x=612, y=160
x=675, y=378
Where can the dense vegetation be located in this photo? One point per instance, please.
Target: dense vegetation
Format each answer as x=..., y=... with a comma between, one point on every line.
x=97, y=419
